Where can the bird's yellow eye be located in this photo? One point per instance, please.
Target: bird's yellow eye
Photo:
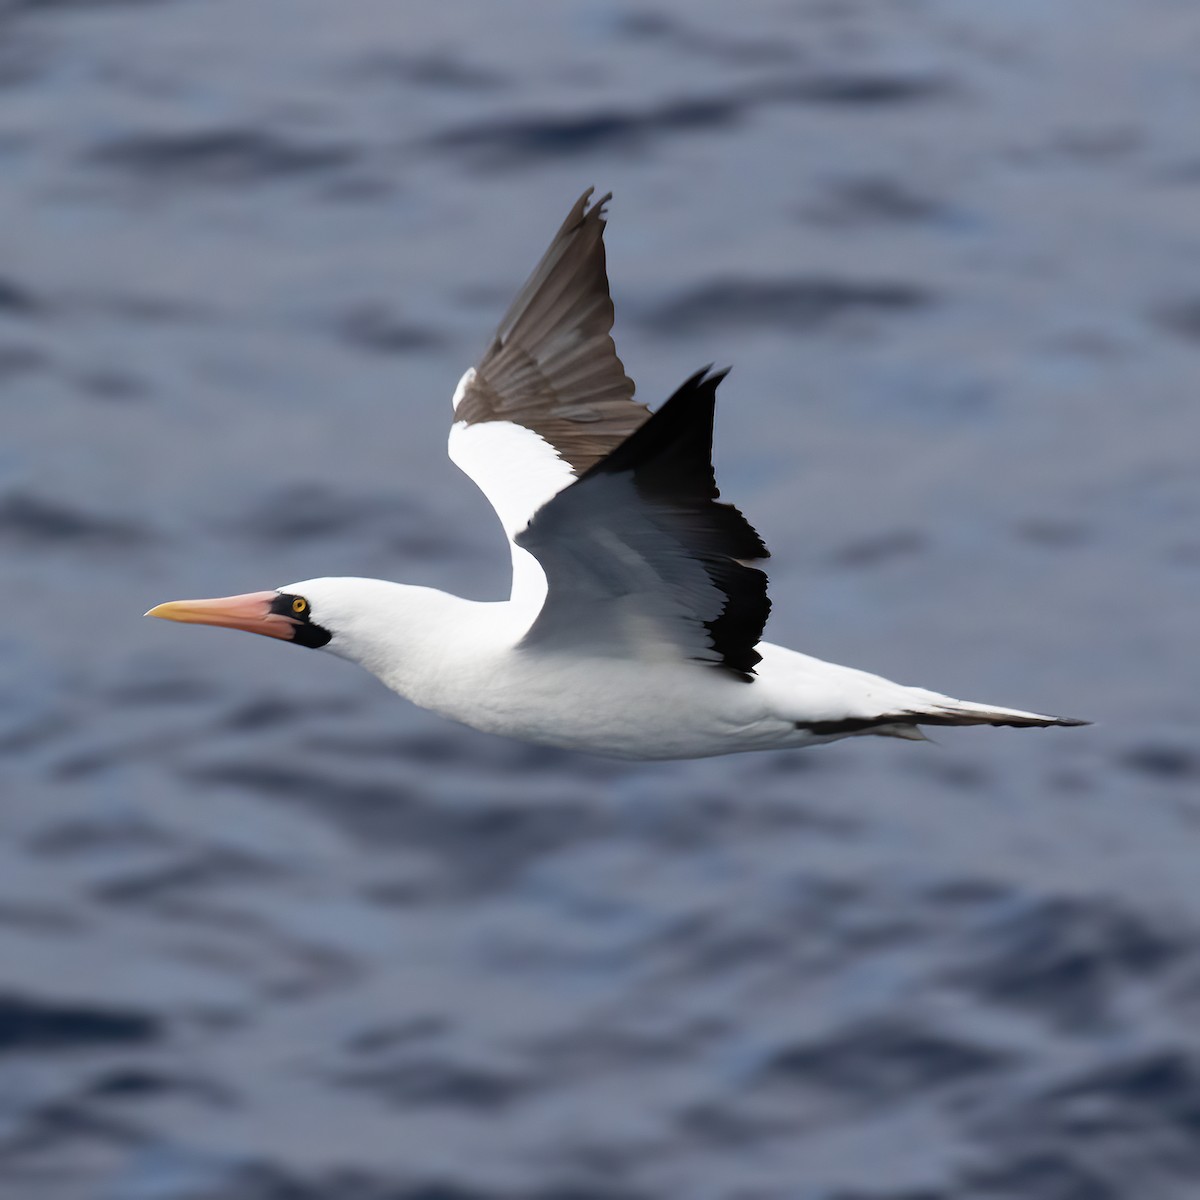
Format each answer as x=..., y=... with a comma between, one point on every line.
x=299, y=604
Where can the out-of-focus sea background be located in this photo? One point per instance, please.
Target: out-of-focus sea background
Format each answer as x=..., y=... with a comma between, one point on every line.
x=269, y=933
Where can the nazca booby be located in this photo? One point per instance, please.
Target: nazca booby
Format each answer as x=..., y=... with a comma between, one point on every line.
x=638, y=603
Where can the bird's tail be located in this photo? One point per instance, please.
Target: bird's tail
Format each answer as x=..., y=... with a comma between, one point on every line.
x=870, y=704
x=943, y=710
x=904, y=720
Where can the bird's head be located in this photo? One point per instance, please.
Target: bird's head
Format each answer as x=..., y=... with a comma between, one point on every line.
x=369, y=621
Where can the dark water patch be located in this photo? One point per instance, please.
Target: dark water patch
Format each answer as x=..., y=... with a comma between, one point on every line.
x=491, y=846
x=368, y=1042
x=53, y=6
x=874, y=200
x=637, y=1041
x=276, y=712
x=676, y=35
x=112, y=385
x=880, y=548
x=874, y=1063
x=857, y=89
x=39, y=917
x=1065, y=959
x=130, y=1082
x=376, y=328
x=1099, y=146
x=708, y=817
x=57, y=1129
x=24, y=60
x=1186, y=554
x=591, y=1191
x=403, y=892
x=428, y=749
x=156, y=692
x=205, y=871
x=1041, y=1175
x=438, y=72
x=302, y=513
x=775, y=811
x=1180, y=318
x=719, y=1126
x=95, y=760
x=213, y=1180
x=149, y=308
x=219, y=156
x=695, y=945
x=83, y=836
x=16, y=300
x=486, y=845
x=21, y=360
x=37, y=521
x=433, y=1190
x=503, y=757
x=961, y=776
x=1182, y=172
x=518, y=140
x=313, y=512
x=788, y=304
x=426, y=1080
x=1161, y=760
x=438, y=1189
x=968, y=894
x=362, y=188
x=1068, y=781
x=138, y=1083
x=372, y=809
x=1087, y=343
x=1052, y=532
x=788, y=764
x=27, y=1024
x=171, y=1175
x=903, y=1194
x=1128, y=1128
x=35, y=732
x=348, y=800
x=1159, y=1090
x=515, y=141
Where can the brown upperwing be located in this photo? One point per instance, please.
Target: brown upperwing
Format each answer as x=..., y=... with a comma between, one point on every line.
x=552, y=366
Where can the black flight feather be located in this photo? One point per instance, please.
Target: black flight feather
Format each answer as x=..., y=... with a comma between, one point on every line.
x=668, y=462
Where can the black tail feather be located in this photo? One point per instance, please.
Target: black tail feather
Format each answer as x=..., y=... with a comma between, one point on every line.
x=851, y=725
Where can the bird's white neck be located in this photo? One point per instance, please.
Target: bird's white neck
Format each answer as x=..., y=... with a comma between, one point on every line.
x=419, y=641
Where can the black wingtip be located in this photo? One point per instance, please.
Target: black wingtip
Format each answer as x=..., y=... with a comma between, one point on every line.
x=715, y=375
x=587, y=211
x=682, y=423
x=701, y=385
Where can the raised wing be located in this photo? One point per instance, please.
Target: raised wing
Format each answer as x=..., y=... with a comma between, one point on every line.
x=549, y=398
x=640, y=558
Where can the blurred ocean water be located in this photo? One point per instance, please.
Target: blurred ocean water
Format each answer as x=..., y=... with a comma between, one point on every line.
x=268, y=933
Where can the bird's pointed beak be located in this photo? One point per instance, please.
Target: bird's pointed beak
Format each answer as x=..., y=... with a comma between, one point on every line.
x=252, y=612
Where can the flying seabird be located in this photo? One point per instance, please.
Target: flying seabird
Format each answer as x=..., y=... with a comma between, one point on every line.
x=638, y=603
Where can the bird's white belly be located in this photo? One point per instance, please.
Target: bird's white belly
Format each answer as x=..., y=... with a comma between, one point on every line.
x=614, y=707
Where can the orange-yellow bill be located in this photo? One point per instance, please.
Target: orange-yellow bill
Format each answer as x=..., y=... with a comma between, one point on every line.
x=252, y=612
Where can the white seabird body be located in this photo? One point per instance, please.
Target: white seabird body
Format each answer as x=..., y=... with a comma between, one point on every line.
x=634, y=624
